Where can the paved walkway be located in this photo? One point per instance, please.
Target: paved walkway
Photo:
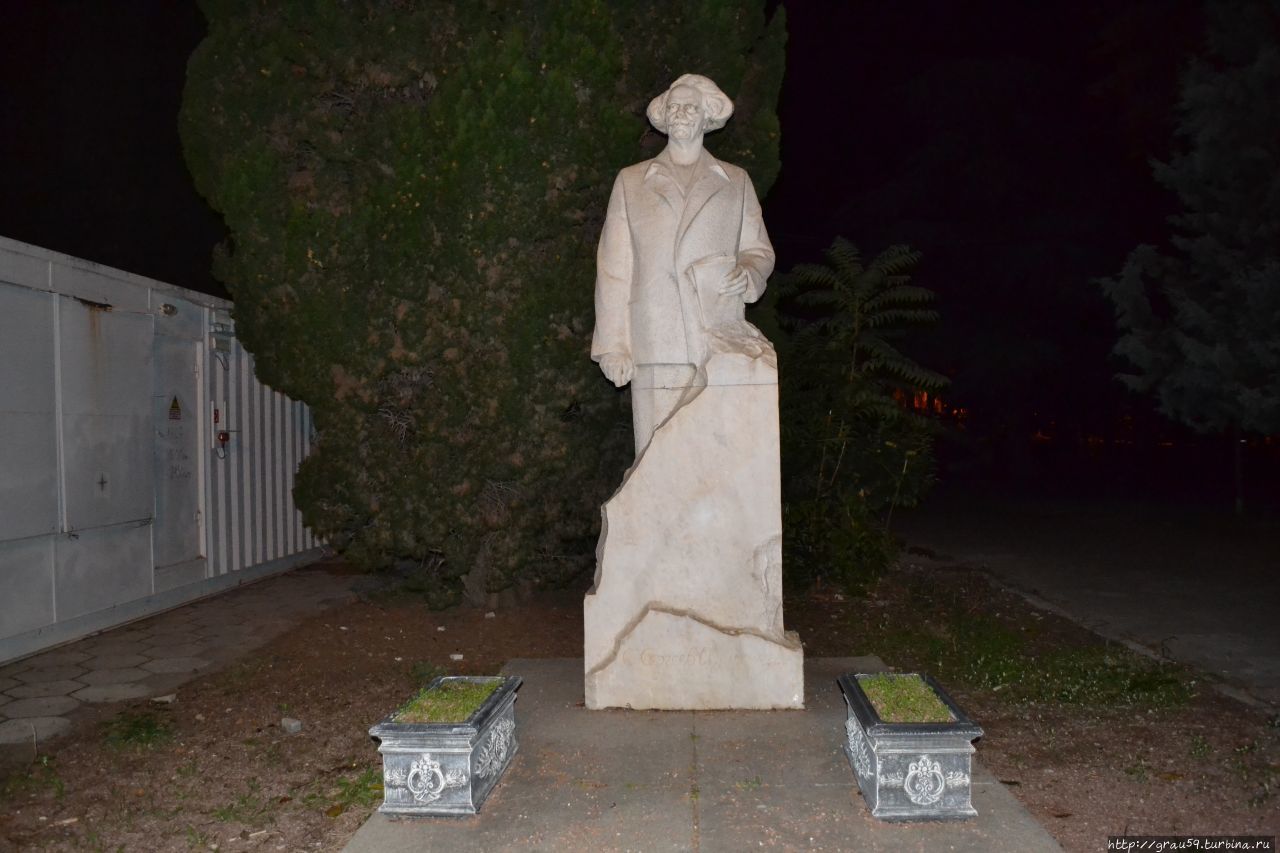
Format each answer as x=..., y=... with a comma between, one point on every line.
x=691, y=781
x=1188, y=584
x=46, y=694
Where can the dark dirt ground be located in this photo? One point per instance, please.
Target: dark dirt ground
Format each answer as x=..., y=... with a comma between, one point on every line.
x=216, y=771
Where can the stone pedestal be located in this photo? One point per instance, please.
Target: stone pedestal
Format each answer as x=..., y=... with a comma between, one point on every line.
x=686, y=611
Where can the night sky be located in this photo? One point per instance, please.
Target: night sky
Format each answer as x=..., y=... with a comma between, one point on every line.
x=1008, y=141
x=90, y=160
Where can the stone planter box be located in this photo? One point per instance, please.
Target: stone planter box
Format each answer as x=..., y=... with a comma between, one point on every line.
x=910, y=771
x=448, y=768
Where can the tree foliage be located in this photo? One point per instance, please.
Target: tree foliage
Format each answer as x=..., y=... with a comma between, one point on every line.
x=852, y=447
x=1200, y=325
x=413, y=194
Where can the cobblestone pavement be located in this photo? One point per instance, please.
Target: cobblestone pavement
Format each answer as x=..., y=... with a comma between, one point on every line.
x=46, y=694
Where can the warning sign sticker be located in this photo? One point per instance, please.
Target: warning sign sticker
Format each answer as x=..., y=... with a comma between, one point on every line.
x=175, y=411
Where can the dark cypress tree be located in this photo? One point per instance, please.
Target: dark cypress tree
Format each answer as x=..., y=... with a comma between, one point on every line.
x=413, y=194
x=1201, y=324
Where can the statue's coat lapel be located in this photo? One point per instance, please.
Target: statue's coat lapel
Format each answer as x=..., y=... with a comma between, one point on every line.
x=708, y=180
x=658, y=178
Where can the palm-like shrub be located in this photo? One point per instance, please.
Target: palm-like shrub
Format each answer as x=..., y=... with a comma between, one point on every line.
x=853, y=447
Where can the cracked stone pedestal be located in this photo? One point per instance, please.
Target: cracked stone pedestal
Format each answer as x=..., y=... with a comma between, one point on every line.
x=686, y=610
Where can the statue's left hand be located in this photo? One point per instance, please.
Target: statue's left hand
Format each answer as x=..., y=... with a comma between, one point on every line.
x=735, y=283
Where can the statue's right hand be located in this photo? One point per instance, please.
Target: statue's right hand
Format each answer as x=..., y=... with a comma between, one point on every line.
x=618, y=367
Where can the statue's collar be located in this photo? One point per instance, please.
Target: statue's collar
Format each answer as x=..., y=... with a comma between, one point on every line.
x=662, y=165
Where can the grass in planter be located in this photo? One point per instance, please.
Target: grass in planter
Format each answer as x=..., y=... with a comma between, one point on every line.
x=450, y=702
x=904, y=699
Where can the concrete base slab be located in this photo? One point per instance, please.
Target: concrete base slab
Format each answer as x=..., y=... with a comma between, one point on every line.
x=691, y=780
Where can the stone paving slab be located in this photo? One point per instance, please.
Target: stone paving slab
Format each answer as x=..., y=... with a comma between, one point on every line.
x=113, y=676
x=168, y=664
x=114, y=646
x=114, y=692
x=58, y=657
x=705, y=781
x=162, y=642
x=50, y=673
x=32, y=729
x=181, y=650
x=43, y=695
x=115, y=661
x=43, y=688
x=47, y=706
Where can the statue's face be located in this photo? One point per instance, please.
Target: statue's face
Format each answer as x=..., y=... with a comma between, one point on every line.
x=685, y=113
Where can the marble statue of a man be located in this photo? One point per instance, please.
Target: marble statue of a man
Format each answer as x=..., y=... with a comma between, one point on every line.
x=686, y=610
x=683, y=246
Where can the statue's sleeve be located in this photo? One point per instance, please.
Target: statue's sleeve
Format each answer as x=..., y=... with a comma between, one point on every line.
x=614, y=262
x=755, y=252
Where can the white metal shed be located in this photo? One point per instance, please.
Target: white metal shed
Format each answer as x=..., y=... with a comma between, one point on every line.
x=142, y=464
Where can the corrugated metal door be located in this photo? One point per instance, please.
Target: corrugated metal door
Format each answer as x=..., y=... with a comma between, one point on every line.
x=179, y=539
x=105, y=368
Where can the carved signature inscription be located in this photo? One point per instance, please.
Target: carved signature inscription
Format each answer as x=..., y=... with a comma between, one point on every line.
x=693, y=657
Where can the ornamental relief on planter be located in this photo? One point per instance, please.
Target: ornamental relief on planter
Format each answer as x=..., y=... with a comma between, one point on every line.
x=494, y=752
x=924, y=783
x=426, y=779
x=858, y=747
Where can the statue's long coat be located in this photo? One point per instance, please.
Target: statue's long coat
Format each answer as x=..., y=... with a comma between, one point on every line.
x=652, y=234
